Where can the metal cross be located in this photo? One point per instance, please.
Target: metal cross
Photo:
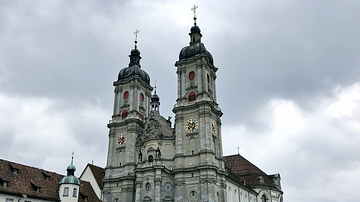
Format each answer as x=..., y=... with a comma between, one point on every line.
x=136, y=32
x=194, y=9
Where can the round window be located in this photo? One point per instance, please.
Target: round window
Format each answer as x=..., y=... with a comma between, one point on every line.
x=191, y=75
x=126, y=95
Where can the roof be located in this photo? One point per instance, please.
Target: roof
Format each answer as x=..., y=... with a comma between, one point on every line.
x=244, y=169
x=98, y=173
x=28, y=179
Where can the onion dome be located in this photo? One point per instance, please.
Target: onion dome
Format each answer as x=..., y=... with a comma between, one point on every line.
x=134, y=69
x=70, y=178
x=195, y=48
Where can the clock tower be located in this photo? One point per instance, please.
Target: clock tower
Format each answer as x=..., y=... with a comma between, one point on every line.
x=131, y=107
x=199, y=167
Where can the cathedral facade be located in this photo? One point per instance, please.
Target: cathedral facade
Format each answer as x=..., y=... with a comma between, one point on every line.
x=152, y=159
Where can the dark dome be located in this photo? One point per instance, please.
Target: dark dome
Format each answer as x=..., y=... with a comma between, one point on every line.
x=134, y=70
x=195, y=49
x=135, y=51
x=195, y=29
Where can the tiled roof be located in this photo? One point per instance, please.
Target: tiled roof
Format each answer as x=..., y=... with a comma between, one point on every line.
x=98, y=173
x=27, y=179
x=247, y=171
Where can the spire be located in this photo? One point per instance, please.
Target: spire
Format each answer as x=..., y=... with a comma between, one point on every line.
x=195, y=35
x=136, y=32
x=194, y=9
x=70, y=177
x=71, y=168
x=135, y=53
x=155, y=102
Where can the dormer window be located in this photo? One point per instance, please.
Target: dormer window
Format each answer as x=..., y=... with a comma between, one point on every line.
x=47, y=177
x=261, y=179
x=14, y=170
x=36, y=188
x=5, y=183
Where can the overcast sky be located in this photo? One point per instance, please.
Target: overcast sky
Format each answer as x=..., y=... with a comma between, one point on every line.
x=288, y=81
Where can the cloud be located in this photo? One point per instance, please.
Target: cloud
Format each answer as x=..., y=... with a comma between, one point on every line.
x=315, y=147
x=36, y=132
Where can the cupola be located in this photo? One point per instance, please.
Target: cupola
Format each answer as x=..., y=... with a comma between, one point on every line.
x=134, y=68
x=195, y=48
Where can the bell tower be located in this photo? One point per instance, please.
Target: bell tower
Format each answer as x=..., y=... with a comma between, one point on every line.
x=199, y=167
x=131, y=106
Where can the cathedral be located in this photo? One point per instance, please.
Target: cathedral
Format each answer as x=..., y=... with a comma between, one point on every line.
x=152, y=159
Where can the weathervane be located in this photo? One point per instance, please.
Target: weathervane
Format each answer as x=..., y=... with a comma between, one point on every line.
x=136, y=33
x=194, y=9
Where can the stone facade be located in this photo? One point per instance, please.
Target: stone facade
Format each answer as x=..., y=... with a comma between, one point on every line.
x=151, y=159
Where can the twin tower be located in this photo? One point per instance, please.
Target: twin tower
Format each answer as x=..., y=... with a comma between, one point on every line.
x=151, y=159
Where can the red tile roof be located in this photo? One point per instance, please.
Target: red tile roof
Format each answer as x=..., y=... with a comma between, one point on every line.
x=28, y=179
x=247, y=171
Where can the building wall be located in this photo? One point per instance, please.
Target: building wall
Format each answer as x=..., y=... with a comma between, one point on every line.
x=3, y=198
x=70, y=197
x=87, y=175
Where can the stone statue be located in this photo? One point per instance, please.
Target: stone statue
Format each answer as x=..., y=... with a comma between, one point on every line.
x=140, y=156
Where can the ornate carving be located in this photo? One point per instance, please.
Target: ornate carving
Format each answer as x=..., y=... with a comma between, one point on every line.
x=158, y=181
x=153, y=129
x=127, y=189
x=120, y=149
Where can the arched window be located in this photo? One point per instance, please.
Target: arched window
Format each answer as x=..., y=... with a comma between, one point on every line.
x=229, y=194
x=150, y=159
x=236, y=196
x=263, y=198
x=124, y=114
x=192, y=97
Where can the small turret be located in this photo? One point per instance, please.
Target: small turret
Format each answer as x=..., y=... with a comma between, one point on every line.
x=69, y=185
x=155, y=102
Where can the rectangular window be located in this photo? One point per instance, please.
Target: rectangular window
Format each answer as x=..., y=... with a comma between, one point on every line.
x=75, y=192
x=9, y=200
x=66, y=191
x=5, y=184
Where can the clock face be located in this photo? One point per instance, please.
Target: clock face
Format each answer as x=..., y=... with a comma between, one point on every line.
x=121, y=140
x=213, y=127
x=191, y=125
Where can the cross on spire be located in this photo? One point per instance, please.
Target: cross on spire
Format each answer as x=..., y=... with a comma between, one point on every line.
x=72, y=157
x=155, y=86
x=136, y=33
x=194, y=9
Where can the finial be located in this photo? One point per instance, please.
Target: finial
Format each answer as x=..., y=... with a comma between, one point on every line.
x=72, y=157
x=238, y=148
x=155, y=86
x=194, y=9
x=136, y=32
